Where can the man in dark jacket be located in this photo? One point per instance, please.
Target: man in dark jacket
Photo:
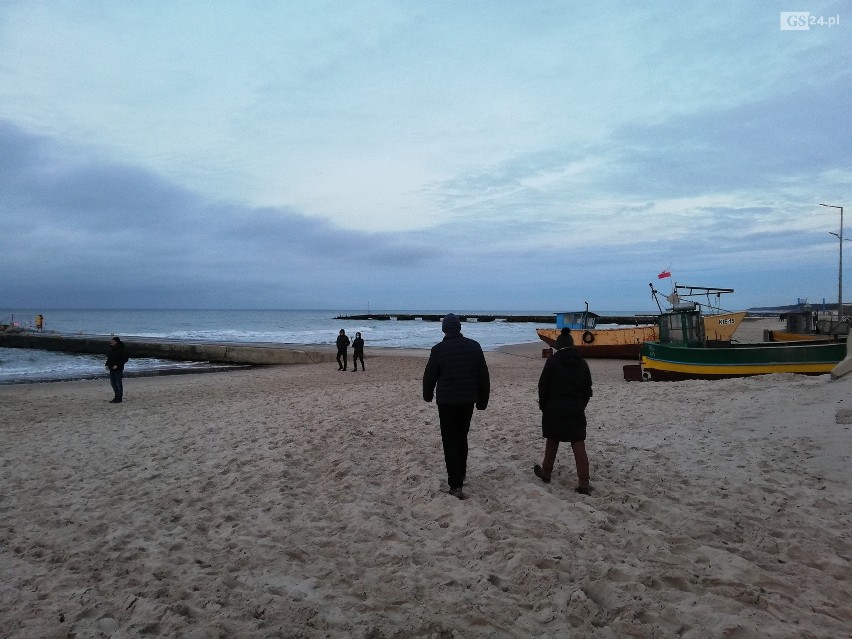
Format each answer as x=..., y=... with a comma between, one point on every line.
x=342, y=345
x=564, y=390
x=457, y=367
x=116, y=359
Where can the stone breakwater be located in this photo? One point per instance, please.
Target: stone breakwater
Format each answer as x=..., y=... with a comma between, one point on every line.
x=220, y=352
x=473, y=317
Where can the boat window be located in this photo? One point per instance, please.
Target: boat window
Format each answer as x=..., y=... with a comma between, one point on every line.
x=681, y=328
x=579, y=320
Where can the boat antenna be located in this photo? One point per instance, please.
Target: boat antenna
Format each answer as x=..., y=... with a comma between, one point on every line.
x=654, y=294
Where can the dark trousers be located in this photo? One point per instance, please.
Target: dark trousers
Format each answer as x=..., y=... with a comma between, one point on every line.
x=115, y=380
x=355, y=359
x=581, y=459
x=455, y=424
x=341, y=359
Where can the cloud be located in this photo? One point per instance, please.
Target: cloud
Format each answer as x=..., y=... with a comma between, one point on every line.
x=86, y=233
x=91, y=232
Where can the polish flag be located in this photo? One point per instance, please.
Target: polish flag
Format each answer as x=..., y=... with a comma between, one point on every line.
x=664, y=275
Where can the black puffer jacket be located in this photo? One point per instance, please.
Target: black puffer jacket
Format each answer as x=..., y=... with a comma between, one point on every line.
x=457, y=366
x=564, y=389
x=116, y=357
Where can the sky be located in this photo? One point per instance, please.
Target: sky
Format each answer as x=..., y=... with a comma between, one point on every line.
x=402, y=155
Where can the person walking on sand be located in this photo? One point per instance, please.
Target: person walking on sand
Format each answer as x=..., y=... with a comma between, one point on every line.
x=564, y=390
x=116, y=359
x=342, y=345
x=457, y=368
x=357, y=352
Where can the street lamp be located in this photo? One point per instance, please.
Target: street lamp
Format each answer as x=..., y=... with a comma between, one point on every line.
x=840, y=269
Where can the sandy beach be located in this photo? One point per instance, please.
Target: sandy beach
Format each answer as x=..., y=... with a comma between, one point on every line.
x=299, y=501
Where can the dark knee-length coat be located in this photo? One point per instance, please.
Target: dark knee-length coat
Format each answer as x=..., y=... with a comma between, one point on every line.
x=564, y=389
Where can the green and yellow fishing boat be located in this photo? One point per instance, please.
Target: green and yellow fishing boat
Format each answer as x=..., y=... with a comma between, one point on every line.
x=683, y=352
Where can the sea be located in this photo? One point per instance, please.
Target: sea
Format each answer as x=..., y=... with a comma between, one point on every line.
x=309, y=327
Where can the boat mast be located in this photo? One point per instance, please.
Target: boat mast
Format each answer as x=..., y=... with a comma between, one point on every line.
x=654, y=293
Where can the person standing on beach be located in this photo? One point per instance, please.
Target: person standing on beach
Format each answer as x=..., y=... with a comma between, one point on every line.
x=342, y=345
x=457, y=368
x=116, y=359
x=357, y=352
x=564, y=390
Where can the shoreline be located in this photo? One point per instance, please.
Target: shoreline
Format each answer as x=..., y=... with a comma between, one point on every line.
x=750, y=330
x=164, y=372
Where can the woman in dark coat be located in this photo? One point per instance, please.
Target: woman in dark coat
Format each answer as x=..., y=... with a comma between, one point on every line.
x=564, y=389
x=357, y=352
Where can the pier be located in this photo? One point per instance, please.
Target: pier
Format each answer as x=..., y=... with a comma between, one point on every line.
x=475, y=317
x=255, y=354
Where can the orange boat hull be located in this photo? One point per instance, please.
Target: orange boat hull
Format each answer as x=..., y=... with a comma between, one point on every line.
x=611, y=343
x=624, y=343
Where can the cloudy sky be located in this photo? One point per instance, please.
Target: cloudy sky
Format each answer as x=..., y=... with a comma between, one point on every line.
x=463, y=155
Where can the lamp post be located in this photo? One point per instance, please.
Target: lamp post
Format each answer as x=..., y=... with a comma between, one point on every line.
x=840, y=269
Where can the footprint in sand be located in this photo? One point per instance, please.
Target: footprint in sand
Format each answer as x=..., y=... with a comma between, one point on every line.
x=843, y=416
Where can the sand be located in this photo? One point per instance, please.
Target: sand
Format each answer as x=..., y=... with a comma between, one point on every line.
x=300, y=501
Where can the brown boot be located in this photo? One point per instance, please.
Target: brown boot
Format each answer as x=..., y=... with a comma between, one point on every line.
x=581, y=459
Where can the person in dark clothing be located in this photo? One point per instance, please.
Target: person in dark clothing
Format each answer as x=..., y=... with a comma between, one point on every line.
x=564, y=390
x=357, y=352
x=457, y=368
x=342, y=344
x=116, y=359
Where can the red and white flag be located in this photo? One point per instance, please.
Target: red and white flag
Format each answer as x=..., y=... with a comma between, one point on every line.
x=664, y=275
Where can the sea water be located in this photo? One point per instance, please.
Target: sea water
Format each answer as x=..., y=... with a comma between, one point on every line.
x=286, y=327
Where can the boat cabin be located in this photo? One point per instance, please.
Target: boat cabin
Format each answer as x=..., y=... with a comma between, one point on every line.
x=684, y=327
x=577, y=320
x=799, y=321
